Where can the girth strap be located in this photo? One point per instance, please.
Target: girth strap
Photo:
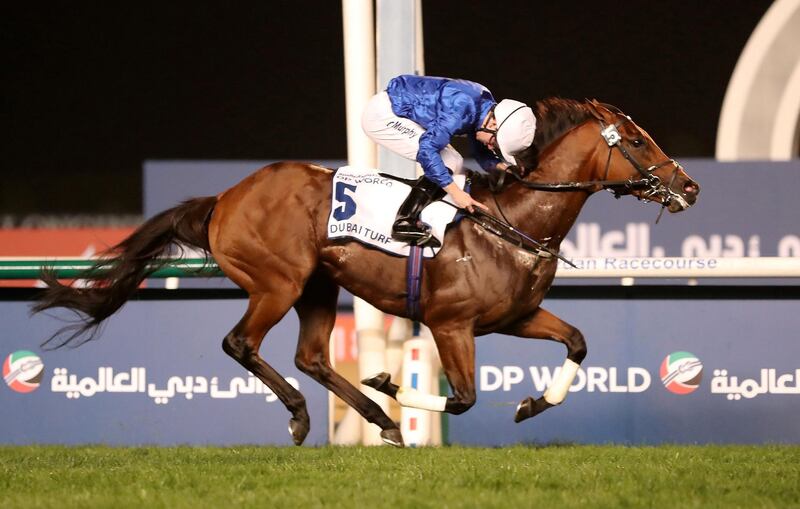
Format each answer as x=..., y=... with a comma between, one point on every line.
x=414, y=283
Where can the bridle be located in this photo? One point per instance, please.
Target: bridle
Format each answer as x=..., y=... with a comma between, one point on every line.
x=651, y=184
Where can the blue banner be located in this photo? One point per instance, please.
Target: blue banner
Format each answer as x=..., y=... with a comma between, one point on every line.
x=743, y=210
x=157, y=375
x=657, y=371
x=682, y=371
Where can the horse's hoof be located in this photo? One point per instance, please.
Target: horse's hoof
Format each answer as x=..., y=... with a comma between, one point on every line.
x=530, y=407
x=378, y=382
x=392, y=437
x=299, y=429
x=523, y=410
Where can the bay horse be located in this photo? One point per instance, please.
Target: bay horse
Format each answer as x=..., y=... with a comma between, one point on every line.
x=268, y=235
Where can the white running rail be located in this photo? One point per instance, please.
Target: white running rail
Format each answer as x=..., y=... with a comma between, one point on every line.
x=762, y=267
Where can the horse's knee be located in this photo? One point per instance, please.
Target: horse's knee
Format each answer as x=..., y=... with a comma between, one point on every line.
x=576, y=346
x=236, y=346
x=461, y=402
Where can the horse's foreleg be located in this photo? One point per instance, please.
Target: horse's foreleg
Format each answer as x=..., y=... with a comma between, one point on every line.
x=317, y=311
x=544, y=325
x=457, y=353
x=243, y=342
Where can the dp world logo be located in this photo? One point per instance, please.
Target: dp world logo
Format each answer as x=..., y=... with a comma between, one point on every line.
x=681, y=372
x=23, y=370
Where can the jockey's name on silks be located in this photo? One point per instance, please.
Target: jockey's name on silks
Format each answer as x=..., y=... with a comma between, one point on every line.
x=364, y=206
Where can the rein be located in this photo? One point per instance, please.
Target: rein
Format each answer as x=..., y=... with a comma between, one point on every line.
x=504, y=230
x=619, y=187
x=650, y=183
x=610, y=133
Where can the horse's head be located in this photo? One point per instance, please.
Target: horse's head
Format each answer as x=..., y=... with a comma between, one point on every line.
x=634, y=159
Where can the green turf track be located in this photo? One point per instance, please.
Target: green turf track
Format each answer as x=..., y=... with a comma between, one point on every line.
x=549, y=477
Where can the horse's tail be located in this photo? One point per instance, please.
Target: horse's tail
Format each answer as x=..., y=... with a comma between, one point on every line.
x=119, y=275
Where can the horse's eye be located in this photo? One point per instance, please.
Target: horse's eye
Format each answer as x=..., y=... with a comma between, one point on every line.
x=638, y=142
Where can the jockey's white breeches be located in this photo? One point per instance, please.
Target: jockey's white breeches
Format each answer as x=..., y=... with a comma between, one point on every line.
x=401, y=135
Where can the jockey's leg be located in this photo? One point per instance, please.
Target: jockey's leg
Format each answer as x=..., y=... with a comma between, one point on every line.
x=544, y=325
x=398, y=134
x=452, y=160
x=401, y=136
x=457, y=352
x=317, y=311
x=407, y=225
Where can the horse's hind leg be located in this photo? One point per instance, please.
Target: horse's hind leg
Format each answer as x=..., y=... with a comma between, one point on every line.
x=544, y=325
x=456, y=345
x=317, y=311
x=243, y=342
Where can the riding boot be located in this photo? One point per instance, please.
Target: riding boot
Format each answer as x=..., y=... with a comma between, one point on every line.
x=407, y=225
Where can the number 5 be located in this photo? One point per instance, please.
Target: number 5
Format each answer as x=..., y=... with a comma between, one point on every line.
x=348, y=208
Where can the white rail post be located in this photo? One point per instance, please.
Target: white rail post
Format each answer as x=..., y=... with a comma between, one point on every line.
x=359, y=62
x=399, y=43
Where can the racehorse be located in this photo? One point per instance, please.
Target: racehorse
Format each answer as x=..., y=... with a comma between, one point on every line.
x=268, y=235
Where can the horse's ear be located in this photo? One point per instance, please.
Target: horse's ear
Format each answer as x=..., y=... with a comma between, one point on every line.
x=595, y=108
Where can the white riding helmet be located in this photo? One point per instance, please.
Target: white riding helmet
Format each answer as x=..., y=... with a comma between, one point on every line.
x=516, y=126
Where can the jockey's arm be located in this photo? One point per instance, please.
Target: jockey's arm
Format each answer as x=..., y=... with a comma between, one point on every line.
x=428, y=156
x=433, y=140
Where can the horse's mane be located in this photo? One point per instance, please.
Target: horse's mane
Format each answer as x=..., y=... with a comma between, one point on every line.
x=554, y=117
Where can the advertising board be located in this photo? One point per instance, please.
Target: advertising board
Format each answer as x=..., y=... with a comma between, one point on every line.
x=657, y=371
x=157, y=375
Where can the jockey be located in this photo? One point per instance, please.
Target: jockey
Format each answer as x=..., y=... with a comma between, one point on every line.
x=416, y=116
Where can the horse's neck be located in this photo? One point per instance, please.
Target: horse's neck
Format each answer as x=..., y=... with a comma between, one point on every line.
x=548, y=215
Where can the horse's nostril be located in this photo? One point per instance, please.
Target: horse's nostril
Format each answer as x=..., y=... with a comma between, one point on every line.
x=691, y=188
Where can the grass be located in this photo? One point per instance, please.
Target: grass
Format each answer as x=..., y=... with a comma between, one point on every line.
x=267, y=477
